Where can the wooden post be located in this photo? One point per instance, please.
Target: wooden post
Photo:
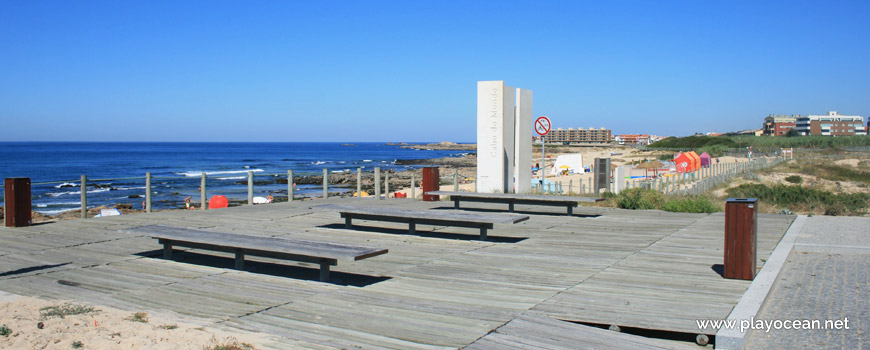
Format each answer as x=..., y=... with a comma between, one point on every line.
x=325, y=184
x=289, y=185
x=413, y=189
x=202, y=193
x=250, y=188
x=570, y=185
x=387, y=183
x=456, y=180
x=84, y=190
x=359, y=182
x=377, y=182
x=148, y=192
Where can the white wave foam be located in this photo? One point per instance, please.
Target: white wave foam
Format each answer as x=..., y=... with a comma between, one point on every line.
x=56, y=204
x=58, y=194
x=367, y=160
x=128, y=188
x=318, y=162
x=232, y=178
x=66, y=184
x=53, y=211
x=199, y=173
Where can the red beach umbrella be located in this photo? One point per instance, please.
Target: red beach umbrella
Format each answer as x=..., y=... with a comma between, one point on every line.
x=217, y=202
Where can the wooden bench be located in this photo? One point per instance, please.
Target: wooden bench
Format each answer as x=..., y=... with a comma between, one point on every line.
x=426, y=217
x=511, y=199
x=325, y=254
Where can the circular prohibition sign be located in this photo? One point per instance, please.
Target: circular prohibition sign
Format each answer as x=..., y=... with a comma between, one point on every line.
x=542, y=125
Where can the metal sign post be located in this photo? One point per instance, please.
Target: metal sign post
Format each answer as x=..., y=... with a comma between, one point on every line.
x=542, y=127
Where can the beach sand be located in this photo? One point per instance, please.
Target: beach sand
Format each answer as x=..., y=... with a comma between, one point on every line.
x=106, y=328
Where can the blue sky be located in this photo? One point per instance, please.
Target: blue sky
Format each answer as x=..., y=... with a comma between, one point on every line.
x=407, y=70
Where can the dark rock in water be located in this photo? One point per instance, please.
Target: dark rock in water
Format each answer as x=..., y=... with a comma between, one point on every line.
x=96, y=185
x=174, y=193
x=257, y=182
x=134, y=196
x=65, y=185
x=123, y=206
x=445, y=146
x=348, y=145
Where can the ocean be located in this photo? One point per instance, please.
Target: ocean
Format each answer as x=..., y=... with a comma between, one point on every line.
x=177, y=167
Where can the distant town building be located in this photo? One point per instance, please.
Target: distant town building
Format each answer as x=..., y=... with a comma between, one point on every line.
x=779, y=125
x=636, y=139
x=833, y=124
x=754, y=132
x=579, y=136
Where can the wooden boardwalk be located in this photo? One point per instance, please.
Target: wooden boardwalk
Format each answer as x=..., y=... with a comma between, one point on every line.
x=441, y=288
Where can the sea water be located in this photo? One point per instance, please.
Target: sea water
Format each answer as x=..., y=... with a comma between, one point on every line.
x=177, y=169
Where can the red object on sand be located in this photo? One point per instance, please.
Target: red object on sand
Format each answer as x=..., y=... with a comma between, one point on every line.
x=217, y=202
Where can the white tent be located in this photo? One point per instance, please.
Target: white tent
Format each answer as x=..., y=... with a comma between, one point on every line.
x=571, y=162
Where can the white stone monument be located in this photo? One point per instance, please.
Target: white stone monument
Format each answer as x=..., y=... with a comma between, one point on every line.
x=524, y=126
x=504, y=138
x=619, y=178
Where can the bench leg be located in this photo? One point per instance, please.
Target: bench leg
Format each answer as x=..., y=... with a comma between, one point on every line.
x=570, y=210
x=511, y=207
x=412, y=227
x=324, y=272
x=167, y=250
x=347, y=223
x=483, y=233
x=240, y=259
x=456, y=204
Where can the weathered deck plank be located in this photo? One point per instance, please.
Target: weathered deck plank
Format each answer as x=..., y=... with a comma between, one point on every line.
x=425, y=294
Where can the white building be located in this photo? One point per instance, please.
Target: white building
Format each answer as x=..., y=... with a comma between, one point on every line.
x=831, y=124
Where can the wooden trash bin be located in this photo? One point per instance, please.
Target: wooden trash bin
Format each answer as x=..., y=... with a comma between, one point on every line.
x=431, y=182
x=17, y=201
x=740, y=238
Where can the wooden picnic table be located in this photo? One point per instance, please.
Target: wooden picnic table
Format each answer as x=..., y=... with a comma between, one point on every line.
x=325, y=254
x=426, y=217
x=559, y=201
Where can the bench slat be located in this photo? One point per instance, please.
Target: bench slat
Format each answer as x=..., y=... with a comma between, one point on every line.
x=525, y=197
x=441, y=215
x=271, y=244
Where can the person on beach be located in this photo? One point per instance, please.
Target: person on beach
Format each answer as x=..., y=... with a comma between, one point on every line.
x=187, y=203
x=269, y=198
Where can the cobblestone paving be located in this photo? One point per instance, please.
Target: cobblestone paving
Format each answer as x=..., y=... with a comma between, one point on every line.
x=827, y=277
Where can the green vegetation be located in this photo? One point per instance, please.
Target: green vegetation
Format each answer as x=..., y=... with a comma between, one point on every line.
x=229, y=344
x=5, y=331
x=715, y=145
x=692, y=204
x=773, y=143
x=641, y=198
x=795, y=179
x=168, y=326
x=65, y=310
x=138, y=317
x=77, y=344
x=824, y=170
x=798, y=198
x=694, y=142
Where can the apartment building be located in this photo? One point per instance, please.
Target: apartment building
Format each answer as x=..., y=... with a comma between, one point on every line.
x=579, y=136
x=831, y=124
x=779, y=125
